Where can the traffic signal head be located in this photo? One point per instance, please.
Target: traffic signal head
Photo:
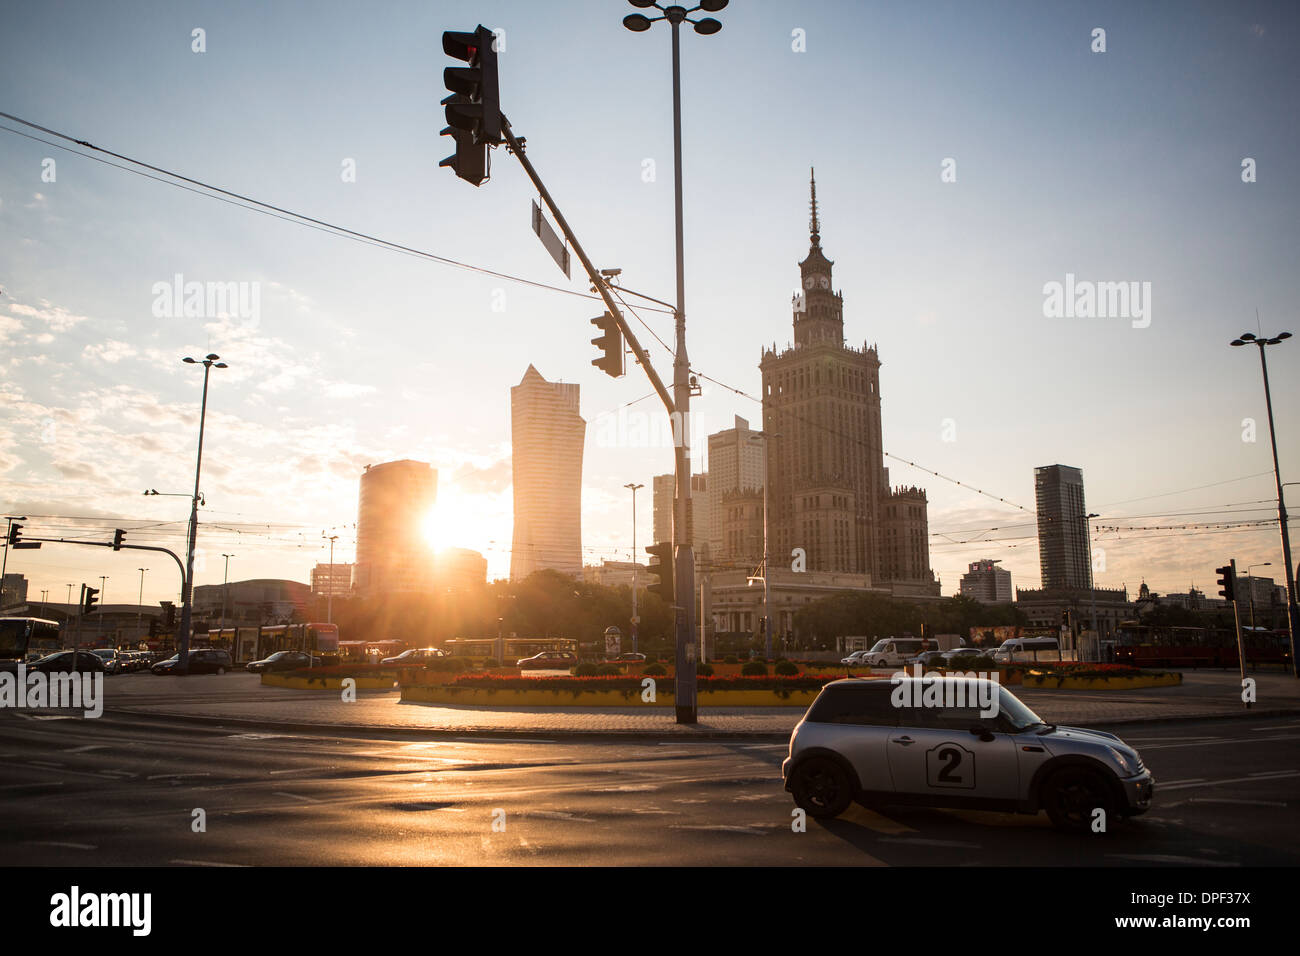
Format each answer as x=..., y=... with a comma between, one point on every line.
x=663, y=570
x=169, y=614
x=91, y=599
x=474, y=106
x=1227, y=581
x=118, y=535
x=16, y=539
x=610, y=344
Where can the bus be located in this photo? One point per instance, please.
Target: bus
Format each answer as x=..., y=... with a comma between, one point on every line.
x=26, y=638
x=1168, y=646
x=507, y=649
x=256, y=643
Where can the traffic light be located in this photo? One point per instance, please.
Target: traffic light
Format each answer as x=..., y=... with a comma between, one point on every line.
x=15, y=539
x=169, y=614
x=89, y=600
x=118, y=535
x=663, y=570
x=473, y=109
x=1227, y=580
x=610, y=344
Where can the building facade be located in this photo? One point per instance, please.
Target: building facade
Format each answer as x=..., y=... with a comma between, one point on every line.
x=735, y=468
x=460, y=569
x=393, y=551
x=547, y=436
x=331, y=579
x=829, y=490
x=13, y=590
x=1064, y=556
x=986, y=582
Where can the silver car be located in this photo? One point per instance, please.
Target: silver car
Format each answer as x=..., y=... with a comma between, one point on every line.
x=880, y=743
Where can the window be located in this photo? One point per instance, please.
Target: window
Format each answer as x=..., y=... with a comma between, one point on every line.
x=864, y=705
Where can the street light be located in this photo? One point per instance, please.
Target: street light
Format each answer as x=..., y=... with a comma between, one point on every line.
x=1292, y=612
x=635, y=618
x=225, y=590
x=764, y=437
x=1251, y=584
x=139, y=602
x=683, y=553
x=329, y=601
x=1092, y=584
x=187, y=594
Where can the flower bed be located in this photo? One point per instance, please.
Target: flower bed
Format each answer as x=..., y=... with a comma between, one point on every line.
x=1070, y=675
x=331, y=678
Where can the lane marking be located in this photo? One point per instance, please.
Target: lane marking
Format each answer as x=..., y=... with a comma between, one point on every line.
x=206, y=863
x=296, y=796
x=86, y=748
x=874, y=820
x=176, y=776
x=1275, y=775
x=60, y=843
x=1249, y=803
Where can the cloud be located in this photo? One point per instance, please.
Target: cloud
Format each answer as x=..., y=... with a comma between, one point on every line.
x=8, y=326
x=348, y=390
x=57, y=318
x=491, y=479
x=111, y=351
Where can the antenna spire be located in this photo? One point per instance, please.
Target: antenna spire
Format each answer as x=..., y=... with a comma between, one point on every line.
x=814, y=227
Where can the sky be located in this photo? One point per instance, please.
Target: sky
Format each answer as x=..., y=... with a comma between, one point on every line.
x=1117, y=166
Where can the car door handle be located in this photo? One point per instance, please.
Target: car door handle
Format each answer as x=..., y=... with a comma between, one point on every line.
x=905, y=741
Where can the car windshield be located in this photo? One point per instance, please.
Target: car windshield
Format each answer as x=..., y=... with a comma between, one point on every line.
x=1016, y=713
x=105, y=654
x=879, y=646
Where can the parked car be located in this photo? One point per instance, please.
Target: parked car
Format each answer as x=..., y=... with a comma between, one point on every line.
x=854, y=658
x=548, y=660
x=415, y=657
x=964, y=652
x=202, y=660
x=630, y=657
x=60, y=662
x=282, y=661
x=856, y=742
x=1028, y=649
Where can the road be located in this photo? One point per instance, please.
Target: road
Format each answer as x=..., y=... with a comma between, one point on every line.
x=122, y=790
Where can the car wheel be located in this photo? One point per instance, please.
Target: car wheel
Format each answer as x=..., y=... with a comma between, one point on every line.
x=221, y=670
x=821, y=787
x=1071, y=795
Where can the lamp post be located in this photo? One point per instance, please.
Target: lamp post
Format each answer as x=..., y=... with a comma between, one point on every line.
x=139, y=602
x=1092, y=584
x=1292, y=613
x=765, y=437
x=684, y=557
x=1250, y=583
x=187, y=594
x=635, y=619
x=329, y=600
x=225, y=589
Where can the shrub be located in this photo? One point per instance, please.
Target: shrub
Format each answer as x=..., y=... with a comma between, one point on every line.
x=585, y=669
x=447, y=664
x=655, y=670
x=704, y=670
x=730, y=659
x=608, y=670
x=754, y=669
x=786, y=668
x=490, y=663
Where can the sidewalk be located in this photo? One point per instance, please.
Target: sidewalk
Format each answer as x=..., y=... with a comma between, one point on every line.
x=241, y=700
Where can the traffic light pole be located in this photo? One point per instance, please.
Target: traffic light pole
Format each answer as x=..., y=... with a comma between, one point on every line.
x=1236, y=619
x=677, y=405
x=120, y=547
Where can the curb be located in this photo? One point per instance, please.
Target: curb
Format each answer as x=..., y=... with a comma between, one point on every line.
x=433, y=733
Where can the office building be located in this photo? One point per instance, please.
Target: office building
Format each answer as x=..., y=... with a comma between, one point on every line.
x=394, y=555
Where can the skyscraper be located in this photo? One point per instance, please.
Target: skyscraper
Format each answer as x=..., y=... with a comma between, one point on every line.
x=393, y=551
x=547, y=435
x=735, y=467
x=1063, y=553
x=986, y=582
x=829, y=488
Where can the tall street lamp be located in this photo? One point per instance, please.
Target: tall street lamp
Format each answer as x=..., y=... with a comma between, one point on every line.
x=225, y=590
x=187, y=594
x=765, y=438
x=1292, y=612
x=329, y=601
x=682, y=549
x=636, y=620
x=1250, y=583
x=1092, y=584
x=139, y=603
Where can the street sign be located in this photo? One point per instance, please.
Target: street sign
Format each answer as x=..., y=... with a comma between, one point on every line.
x=552, y=242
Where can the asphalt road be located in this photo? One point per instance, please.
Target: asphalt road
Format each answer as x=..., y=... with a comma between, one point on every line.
x=123, y=791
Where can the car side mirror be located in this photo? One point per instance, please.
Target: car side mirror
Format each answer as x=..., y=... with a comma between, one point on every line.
x=982, y=732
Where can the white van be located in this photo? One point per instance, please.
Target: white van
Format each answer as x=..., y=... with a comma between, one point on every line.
x=1028, y=649
x=892, y=651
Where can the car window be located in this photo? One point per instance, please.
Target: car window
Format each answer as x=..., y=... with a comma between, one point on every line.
x=853, y=704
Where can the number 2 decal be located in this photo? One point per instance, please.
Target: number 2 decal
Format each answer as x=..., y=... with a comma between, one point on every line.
x=950, y=765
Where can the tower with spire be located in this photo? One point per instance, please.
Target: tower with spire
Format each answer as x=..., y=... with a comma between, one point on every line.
x=829, y=489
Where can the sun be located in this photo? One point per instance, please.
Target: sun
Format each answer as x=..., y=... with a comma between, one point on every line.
x=458, y=521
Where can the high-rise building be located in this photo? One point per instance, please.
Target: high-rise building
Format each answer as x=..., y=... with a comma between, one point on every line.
x=460, y=569
x=547, y=435
x=333, y=579
x=829, y=490
x=13, y=590
x=663, y=488
x=393, y=550
x=1063, y=553
x=735, y=467
x=986, y=582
